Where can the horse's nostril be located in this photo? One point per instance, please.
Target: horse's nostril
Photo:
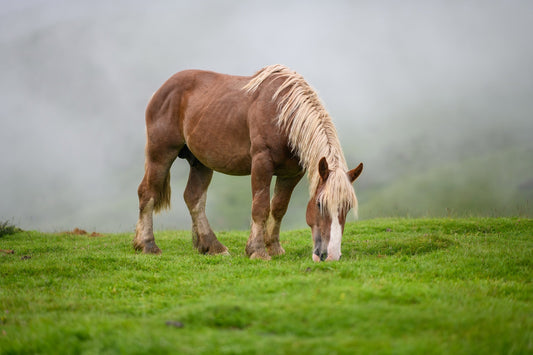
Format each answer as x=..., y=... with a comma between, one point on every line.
x=323, y=256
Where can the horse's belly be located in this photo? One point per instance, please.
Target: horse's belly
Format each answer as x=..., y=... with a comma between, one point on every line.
x=230, y=164
x=224, y=154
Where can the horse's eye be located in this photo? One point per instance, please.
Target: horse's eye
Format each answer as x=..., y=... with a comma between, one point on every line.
x=319, y=205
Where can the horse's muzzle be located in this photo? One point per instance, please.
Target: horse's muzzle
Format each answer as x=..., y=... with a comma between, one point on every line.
x=319, y=256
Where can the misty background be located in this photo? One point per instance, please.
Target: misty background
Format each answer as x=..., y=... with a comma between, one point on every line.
x=435, y=97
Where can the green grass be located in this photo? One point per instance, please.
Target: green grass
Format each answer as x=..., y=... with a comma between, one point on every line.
x=427, y=286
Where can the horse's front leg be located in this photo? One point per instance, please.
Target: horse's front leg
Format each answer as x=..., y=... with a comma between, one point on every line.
x=262, y=171
x=278, y=208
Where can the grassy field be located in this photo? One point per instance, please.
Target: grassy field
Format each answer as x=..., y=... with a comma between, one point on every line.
x=427, y=286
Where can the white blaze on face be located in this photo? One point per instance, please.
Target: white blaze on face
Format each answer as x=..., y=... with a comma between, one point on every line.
x=335, y=237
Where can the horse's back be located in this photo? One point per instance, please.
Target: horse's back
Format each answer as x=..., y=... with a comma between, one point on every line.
x=220, y=122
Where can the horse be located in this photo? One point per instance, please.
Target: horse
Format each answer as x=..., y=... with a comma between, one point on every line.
x=269, y=124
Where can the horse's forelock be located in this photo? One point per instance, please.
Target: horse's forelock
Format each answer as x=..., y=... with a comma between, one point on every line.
x=337, y=195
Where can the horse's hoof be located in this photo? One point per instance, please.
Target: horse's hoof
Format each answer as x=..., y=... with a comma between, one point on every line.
x=138, y=246
x=218, y=251
x=261, y=254
x=276, y=250
x=215, y=248
x=151, y=248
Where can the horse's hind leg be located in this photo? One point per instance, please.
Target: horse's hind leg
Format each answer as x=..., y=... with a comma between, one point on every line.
x=195, y=197
x=154, y=195
x=278, y=207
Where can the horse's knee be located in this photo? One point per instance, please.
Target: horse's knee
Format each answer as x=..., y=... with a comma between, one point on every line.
x=278, y=212
x=260, y=210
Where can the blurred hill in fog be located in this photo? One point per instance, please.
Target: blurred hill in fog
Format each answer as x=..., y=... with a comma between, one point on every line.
x=433, y=96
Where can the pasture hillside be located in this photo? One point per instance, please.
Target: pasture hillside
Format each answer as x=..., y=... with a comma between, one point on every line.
x=403, y=286
x=496, y=184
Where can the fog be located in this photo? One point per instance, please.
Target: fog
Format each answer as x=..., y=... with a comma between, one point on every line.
x=435, y=97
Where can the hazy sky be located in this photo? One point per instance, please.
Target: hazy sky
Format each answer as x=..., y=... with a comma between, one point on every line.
x=76, y=77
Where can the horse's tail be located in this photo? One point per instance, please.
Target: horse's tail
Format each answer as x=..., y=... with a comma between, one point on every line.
x=162, y=201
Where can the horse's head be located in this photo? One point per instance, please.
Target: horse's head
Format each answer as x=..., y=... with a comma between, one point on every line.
x=327, y=224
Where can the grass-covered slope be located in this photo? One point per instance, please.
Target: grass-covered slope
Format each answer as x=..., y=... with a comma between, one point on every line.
x=403, y=286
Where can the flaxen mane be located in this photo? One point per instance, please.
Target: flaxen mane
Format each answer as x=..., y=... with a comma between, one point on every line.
x=311, y=135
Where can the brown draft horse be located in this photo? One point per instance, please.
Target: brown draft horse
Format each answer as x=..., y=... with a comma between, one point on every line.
x=271, y=123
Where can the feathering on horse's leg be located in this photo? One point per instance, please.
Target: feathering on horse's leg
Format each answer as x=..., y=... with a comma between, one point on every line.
x=195, y=196
x=278, y=207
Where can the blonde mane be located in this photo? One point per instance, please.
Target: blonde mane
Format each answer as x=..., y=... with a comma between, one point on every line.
x=311, y=135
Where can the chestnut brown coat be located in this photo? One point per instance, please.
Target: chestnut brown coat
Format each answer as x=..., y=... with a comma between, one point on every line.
x=270, y=124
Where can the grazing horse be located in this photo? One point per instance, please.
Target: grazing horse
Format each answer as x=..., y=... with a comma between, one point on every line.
x=271, y=123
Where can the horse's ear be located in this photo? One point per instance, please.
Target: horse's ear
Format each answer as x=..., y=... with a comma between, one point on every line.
x=354, y=173
x=323, y=169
